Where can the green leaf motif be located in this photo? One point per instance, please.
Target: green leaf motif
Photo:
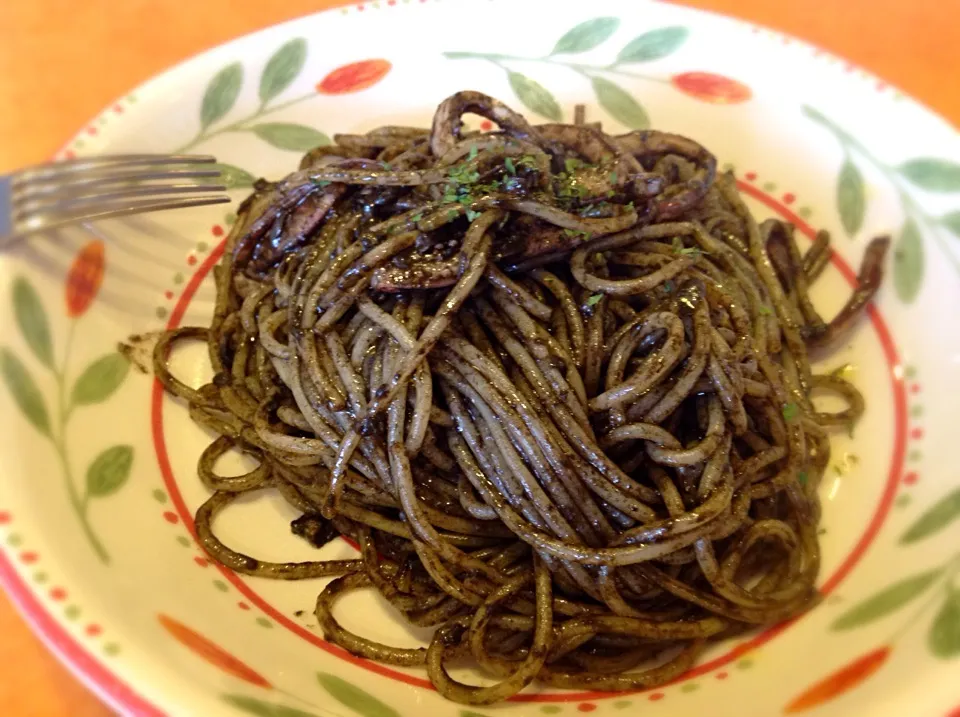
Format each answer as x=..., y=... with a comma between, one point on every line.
x=620, y=104
x=891, y=598
x=908, y=262
x=234, y=177
x=851, y=198
x=221, y=94
x=100, y=379
x=944, y=637
x=535, y=96
x=282, y=69
x=295, y=137
x=952, y=222
x=109, y=471
x=25, y=393
x=654, y=45
x=936, y=518
x=353, y=697
x=587, y=35
x=260, y=708
x=32, y=320
x=930, y=173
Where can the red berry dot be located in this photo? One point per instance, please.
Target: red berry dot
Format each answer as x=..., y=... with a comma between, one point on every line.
x=5, y=517
x=91, y=131
x=586, y=707
x=168, y=294
x=191, y=260
x=170, y=517
x=201, y=561
x=750, y=176
x=58, y=594
x=118, y=109
x=911, y=478
x=93, y=630
x=28, y=557
x=916, y=434
x=789, y=198
x=217, y=230
x=486, y=125
x=243, y=606
x=391, y=3
x=360, y=8
x=722, y=675
x=69, y=154
x=656, y=696
x=915, y=388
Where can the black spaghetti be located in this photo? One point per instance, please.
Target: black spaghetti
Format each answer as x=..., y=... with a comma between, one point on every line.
x=554, y=383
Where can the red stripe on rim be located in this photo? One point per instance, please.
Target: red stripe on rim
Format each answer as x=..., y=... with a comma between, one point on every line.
x=94, y=674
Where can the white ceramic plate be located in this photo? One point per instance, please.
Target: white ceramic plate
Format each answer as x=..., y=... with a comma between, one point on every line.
x=98, y=466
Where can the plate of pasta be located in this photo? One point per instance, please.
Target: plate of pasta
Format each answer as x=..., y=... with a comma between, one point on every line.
x=600, y=366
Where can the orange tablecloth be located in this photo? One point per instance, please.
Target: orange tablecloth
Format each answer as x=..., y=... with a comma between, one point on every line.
x=62, y=61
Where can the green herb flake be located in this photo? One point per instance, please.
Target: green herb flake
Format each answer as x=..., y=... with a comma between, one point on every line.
x=471, y=215
x=416, y=217
x=508, y=163
x=387, y=166
x=473, y=152
x=802, y=477
x=790, y=411
x=320, y=182
x=765, y=311
x=594, y=300
x=572, y=164
x=613, y=177
x=452, y=214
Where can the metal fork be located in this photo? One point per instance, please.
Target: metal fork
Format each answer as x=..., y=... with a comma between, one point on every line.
x=91, y=188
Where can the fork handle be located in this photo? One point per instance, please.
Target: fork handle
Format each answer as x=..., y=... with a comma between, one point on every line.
x=6, y=221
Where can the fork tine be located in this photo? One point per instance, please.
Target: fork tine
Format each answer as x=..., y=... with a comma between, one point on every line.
x=81, y=164
x=117, y=209
x=54, y=202
x=25, y=189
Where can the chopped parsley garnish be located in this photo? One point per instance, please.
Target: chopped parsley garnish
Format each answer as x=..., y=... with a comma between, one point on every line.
x=417, y=217
x=681, y=250
x=802, y=477
x=320, y=182
x=528, y=160
x=473, y=152
x=594, y=300
x=790, y=411
x=585, y=236
x=508, y=163
x=572, y=164
x=471, y=215
x=765, y=311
